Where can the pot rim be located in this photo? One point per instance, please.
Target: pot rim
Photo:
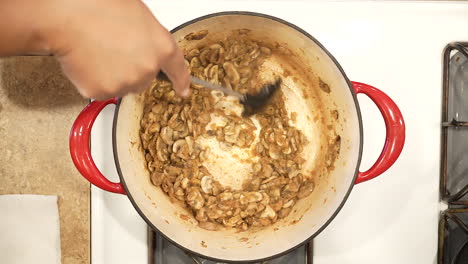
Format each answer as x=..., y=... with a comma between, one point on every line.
x=338, y=209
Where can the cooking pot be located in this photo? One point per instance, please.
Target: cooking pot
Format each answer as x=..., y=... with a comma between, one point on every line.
x=315, y=79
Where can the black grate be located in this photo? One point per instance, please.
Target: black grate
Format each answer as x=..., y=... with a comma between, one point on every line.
x=161, y=251
x=453, y=225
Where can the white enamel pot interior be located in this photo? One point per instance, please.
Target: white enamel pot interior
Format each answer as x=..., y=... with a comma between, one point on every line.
x=311, y=62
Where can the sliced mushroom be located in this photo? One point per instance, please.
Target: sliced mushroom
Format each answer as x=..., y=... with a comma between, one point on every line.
x=208, y=226
x=195, y=199
x=213, y=74
x=232, y=221
x=184, y=183
x=305, y=190
x=250, y=197
x=288, y=203
x=206, y=70
x=268, y=213
x=157, y=178
x=231, y=72
x=178, y=145
x=225, y=196
x=265, y=50
x=204, y=57
x=207, y=184
x=201, y=215
x=195, y=63
x=274, y=151
x=166, y=135
x=196, y=35
x=193, y=53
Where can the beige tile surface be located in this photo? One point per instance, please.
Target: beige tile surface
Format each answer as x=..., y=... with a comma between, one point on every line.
x=37, y=108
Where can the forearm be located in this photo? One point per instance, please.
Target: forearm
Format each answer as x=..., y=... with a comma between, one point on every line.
x=24, y=27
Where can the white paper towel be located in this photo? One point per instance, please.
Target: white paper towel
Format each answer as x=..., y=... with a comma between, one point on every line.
x=29, y=229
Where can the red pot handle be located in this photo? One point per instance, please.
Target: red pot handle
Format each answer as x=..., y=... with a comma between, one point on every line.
x=80, y=149
x=395, y=127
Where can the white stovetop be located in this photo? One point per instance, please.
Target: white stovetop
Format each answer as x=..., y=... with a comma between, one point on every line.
x=395, y=46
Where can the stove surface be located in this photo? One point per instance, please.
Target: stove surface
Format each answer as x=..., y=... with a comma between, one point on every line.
x=394, y=46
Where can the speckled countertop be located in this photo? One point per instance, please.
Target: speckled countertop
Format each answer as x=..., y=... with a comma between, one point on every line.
x=37, y=108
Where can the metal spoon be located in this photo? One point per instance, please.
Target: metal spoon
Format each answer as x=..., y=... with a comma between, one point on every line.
x=252, y=102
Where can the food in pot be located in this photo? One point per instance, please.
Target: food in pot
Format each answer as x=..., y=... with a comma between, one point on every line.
x=173, y=131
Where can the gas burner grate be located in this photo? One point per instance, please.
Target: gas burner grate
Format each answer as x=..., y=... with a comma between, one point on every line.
x=454, y=167
x=453, y=225
x=453, y=237
x=161, y=251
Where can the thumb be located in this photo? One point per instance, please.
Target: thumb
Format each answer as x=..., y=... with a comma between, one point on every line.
x=177, y=71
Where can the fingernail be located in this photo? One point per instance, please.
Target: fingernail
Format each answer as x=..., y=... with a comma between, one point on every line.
x=185, y=93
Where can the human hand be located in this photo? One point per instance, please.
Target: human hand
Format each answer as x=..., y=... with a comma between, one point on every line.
x=110, y=48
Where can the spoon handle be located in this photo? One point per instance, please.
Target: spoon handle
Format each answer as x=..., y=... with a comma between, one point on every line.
x=213, y=86
x=210, y=85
